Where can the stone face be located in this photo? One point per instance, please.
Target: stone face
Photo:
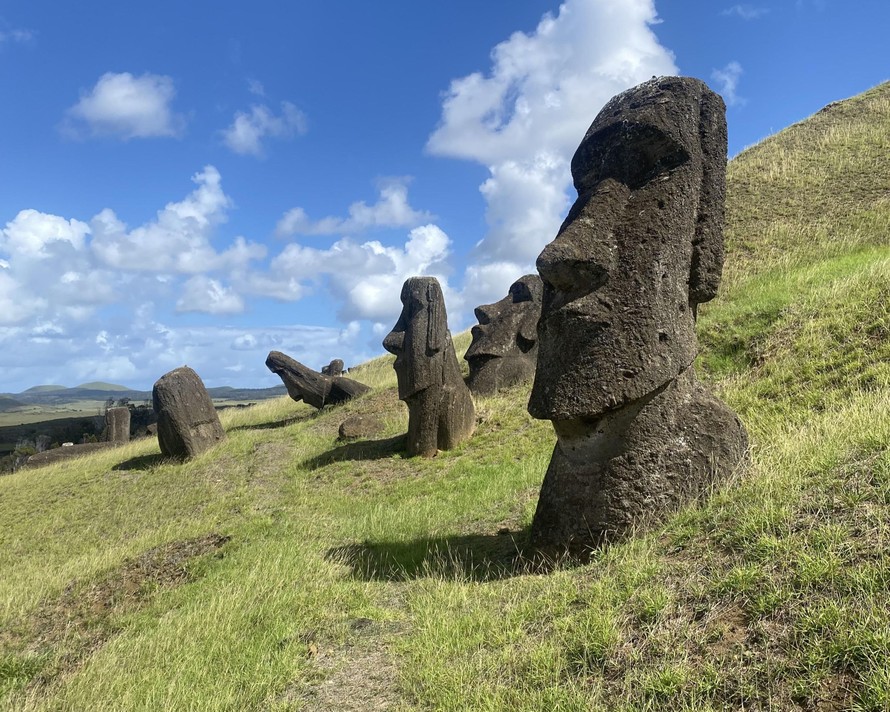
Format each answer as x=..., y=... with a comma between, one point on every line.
x=117, y=425
x=187, y=421
x=640, y=249
x=334, y=368
x=315, y=389
x=505, y=341
x=440, y=409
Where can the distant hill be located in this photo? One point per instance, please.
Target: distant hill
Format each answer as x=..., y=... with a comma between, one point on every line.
x=7, y=403
x=99, y=391
x=44, y=389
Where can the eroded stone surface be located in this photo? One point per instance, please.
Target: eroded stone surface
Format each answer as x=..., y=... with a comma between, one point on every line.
x=117, y=425
x=359, y=426
x=334, y=368
x=440, y=409
x=505, y=341
x=314, y=388
x=641, y=247
x=187, y=421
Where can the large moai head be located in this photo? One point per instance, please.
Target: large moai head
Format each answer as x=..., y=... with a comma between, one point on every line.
x=641, y=247
x=505, y=341
x=420, y=337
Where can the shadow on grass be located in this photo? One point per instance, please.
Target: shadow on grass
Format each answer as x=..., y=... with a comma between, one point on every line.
x=143, y=462
x=272, y=425
x=359, y=450
x=476, y=557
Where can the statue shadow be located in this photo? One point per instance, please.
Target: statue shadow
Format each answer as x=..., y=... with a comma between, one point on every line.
x=272, y=425
x=475, y=557
x=142, y=462
x=359, y=450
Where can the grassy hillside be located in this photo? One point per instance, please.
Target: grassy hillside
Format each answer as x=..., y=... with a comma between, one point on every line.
x=286, y=571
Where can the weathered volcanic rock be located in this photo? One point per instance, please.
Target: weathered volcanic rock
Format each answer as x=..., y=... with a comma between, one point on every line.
x=505, y=341
x=334, y=368
x=304, y=384
x=640, y=249
x=187, y=421
x=117, y=425
x=359, y=426
x=440, y=409
x=68, y=452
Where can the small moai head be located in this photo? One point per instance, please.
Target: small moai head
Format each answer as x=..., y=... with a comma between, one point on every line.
x=334, y=368
x=504, y=346
x=639, y=250
x=419, y=337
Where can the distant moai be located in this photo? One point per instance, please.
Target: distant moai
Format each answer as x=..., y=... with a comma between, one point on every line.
x=504, y=350
x=117, y=425
x=187, y=421
x=440, y=409
x=641, y=248
x=334, y=368
x=314, y=388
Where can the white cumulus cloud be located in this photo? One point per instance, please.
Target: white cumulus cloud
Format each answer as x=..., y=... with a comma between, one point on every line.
x=391, y=210
x=524, y=118
x=126, y=106
x=248, y=129
x=365, y=278
x=179, y=239
x=727, y=80
x=209, y=296
x=34, y=234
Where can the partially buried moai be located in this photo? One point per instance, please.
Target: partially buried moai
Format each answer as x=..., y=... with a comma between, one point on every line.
x=117, y=425
x=187, y=421
x=505, y=341
x=440, y=408
x=641, y=248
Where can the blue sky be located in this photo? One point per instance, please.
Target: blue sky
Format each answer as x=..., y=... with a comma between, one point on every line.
x=203, y=182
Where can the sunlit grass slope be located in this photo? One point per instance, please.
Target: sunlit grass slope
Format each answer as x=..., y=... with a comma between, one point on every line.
x=285, y=570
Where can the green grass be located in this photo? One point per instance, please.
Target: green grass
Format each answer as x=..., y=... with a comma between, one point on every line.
x=352, y=576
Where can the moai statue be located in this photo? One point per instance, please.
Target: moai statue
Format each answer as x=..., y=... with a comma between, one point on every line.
x=505, y=341
x=315, y=389
x=187, y=421
x=641, y=248
x=117, y=425
x=440, y=408
x=334, y=368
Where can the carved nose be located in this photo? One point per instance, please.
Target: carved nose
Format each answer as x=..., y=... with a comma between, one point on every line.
x=569, y=273
x=483, y=313
x=394, y=342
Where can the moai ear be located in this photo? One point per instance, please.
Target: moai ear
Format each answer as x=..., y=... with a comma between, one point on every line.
x=528, y=329
x=435, y=325
x=707, y=245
